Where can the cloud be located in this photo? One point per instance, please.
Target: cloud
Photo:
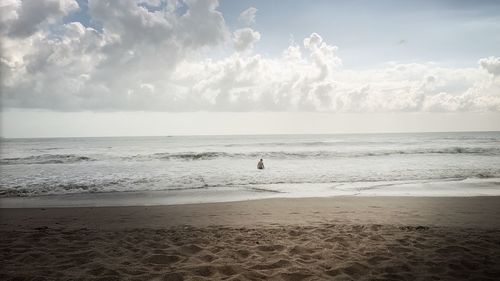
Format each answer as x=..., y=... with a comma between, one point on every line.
x=152, y=3
x=491, y=64
x=77, y=67
x=245, y=38
x=323, y=55
x=155, y=59
x=248, y=16
x=23, y=18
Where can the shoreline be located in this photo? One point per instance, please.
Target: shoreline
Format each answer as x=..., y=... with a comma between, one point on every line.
x=482, y=212
x=451, y=188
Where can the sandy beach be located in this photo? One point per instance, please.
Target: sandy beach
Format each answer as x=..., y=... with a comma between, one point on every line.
x=338, y=238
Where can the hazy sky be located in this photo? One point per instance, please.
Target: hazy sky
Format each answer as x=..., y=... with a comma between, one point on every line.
x=152, y=67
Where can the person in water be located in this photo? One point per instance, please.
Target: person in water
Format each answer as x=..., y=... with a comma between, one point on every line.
x=260, y=165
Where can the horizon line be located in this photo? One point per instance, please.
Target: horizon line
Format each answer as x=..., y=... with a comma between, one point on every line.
x=277, y=134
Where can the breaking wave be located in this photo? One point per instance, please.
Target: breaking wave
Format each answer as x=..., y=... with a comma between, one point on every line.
x=257, y=185
x=193, y=156
x=323, y=154
x=46, y=159
x=55, y=188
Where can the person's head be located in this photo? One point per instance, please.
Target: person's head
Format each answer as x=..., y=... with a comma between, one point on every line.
x=261, y=160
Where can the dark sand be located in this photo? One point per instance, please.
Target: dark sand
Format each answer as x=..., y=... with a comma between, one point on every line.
x=340, y=238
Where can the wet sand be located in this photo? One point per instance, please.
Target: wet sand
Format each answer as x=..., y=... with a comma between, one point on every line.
x=339, y=238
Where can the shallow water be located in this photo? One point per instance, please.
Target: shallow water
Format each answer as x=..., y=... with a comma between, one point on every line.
x=444, y=164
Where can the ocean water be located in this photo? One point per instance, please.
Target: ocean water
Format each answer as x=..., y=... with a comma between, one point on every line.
x=449, y=164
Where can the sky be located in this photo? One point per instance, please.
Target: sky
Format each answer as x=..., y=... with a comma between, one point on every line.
x=154, y=67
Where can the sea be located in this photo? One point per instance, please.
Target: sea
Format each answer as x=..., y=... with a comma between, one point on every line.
x=195, y=169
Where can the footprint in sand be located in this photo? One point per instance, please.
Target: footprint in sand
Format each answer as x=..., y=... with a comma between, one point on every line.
x=190, y=249
x=174, y=276
x=270, y=248
x=162, y=259
x=274, y=265
x=203, y=270
x=353, y=269
x=294, y=276
x=300, y=250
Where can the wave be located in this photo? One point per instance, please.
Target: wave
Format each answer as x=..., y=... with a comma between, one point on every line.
x=46, y=159
x=266, y=185
x=45, y=149
x=313, y=143
x=193, y=155
x=321, y=154
x=352, y=142
x=58, y=188
x=449, y=150
x=210, y=155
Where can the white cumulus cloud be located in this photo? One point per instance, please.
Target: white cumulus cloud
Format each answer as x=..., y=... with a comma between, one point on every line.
x=245, y=38
x=155, y=59
x=23, y=18
x=491, y=64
